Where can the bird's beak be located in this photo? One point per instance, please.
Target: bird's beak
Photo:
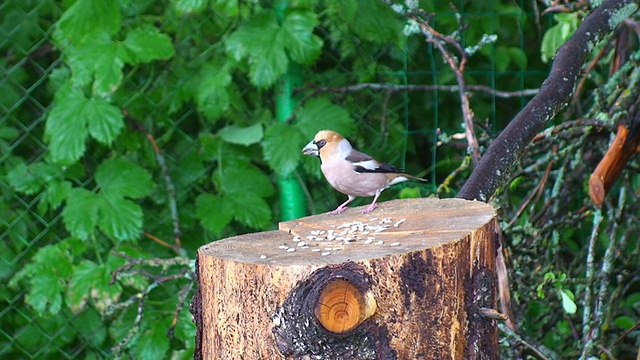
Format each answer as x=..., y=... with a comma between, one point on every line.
x=311, y=149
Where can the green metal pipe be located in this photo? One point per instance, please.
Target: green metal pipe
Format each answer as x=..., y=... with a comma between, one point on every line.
x=292, y=198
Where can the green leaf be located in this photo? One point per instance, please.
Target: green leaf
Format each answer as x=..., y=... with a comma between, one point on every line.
x=92, y=281
x=260, y=40
x=118, y=177
x=242, y=135
x=303, y=46
x=55, y=193
x=65, y=129
x=147, y=43
x=558, y=34
x=30, y=179
x=45, y=293
x=185, y=7
x=85, y=17
x=320, y=114
x=152, y=344
x=100, y=61
x=568, y=304
x=46, y=274
x=229, y=7
x=104, y=120
x=410, y=192
x=243, y=178
x=80, y=215
x=375, y=21
x=212, y=96
x=626, y=322
x=282, y=146
x=270, y=65
x=215, y=212
x=250, y=209
x=120, y=218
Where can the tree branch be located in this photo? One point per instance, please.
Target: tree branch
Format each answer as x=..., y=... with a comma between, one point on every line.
x=497, y=163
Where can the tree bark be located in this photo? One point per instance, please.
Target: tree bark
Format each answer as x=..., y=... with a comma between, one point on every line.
x=410, y=280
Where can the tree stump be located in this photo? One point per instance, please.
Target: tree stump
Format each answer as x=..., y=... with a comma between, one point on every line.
x=409, y=280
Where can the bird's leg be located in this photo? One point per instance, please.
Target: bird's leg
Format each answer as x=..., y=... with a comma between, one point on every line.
x=373, y=204
x=343, y=206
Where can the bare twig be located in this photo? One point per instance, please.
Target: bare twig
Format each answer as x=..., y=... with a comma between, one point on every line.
x=588, y=335
x=392, y=88
x=457, y=63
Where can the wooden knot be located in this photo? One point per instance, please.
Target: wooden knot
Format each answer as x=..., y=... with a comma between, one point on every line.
x=342, y=306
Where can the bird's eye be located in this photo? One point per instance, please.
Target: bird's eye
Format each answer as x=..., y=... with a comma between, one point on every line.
x=321, y=143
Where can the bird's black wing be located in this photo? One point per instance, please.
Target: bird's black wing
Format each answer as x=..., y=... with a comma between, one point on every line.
x=363, y=163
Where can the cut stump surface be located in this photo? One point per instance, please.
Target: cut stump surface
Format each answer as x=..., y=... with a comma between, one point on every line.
x=411, y=278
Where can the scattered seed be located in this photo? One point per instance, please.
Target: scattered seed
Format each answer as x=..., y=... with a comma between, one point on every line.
x=325, y=253
x=337, y=248
x=315, y=250
x=394, y=244
x=368, y=241
x=302, y=243
x=380, y=242
x=263, y=256
x=291, y=249
x=306, y=247
x=399, y=222
x=285, y=247
x=327, y=249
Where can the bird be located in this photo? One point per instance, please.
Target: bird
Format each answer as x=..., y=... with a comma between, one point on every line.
x=352, y=172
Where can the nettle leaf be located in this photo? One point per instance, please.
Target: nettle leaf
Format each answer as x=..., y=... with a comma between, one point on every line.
x=147, y=43
x=185, y=7
x=260, y=39
x=118, y=177
x=214, y=212
x=243, y=178
x=250, y=210
x=85, y=17
x=320, y=114
x=152, y=344
x=120, y=218
x=30, y=179
x=65, y=130
x=105, y=121
x=80, y=215
x=242, y=135
x=282, y=145
x=55, y=193
x=212, y=96
x=303, y=46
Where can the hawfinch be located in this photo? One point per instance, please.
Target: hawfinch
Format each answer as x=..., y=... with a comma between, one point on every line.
x=351, y=172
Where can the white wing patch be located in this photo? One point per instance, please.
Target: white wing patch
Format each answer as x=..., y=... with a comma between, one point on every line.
x=368, y=164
